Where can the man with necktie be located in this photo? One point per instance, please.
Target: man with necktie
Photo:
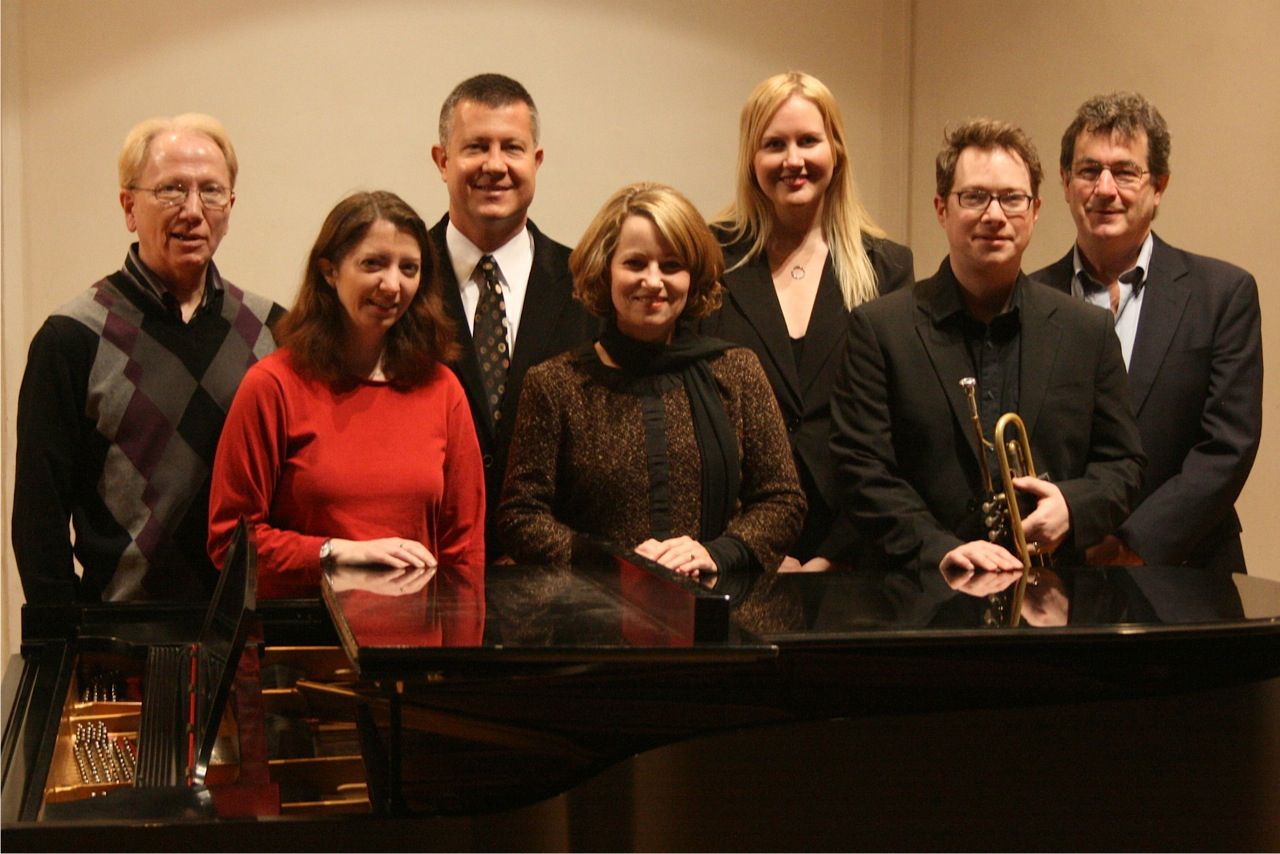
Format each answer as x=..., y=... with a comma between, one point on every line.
x=506, y=285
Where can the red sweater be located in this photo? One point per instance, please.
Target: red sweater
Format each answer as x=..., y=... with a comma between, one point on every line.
x=303, y=462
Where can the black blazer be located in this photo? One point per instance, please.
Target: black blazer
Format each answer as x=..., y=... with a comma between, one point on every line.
x=551, y=321
x=751, y=316
x=903, y=440
x=1195, y=379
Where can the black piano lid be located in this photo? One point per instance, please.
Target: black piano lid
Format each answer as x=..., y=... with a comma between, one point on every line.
x=613, y=606
x=221, y=642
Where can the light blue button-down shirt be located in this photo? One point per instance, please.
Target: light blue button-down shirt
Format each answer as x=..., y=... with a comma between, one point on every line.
x=1087, y=288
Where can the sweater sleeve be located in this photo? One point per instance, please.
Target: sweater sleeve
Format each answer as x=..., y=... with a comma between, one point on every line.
x=771, y=505
x=526, y=518
x=50, y=406
x=461, y=531
x=246, y=470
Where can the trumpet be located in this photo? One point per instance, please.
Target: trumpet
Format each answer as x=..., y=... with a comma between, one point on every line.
x=1001, y=515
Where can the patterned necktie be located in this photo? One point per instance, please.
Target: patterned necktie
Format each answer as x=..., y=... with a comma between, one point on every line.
x=490, y=334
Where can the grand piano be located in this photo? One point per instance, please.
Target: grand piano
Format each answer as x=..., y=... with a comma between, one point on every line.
x=615, y=705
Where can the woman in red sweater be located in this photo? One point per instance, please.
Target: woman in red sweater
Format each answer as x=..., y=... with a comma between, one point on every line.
x=353, y=445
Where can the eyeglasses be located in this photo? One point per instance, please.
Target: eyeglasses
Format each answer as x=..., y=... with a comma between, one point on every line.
x=978, y=200
x=213, y=198
x=1126, y=175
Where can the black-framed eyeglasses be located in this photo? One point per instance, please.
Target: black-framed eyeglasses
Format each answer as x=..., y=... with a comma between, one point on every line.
x=1125, y=175
x=1013, y=202
x=214, y=197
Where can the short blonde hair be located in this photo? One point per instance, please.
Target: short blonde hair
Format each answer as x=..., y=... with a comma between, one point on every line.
x=844, y=218
x=133, y=155
x=680, y=226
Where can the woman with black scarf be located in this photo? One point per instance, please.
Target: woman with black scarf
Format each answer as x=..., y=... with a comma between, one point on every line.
x=654, y=438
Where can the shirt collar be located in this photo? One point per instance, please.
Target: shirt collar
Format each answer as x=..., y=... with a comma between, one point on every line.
x=1136, y=275
x=153, y=286
x=515, y=254
x=949, y=303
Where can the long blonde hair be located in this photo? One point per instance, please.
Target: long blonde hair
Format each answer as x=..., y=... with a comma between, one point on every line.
x=844, y=219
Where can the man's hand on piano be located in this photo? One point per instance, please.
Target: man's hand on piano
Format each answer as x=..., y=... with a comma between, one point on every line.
x=980, y=568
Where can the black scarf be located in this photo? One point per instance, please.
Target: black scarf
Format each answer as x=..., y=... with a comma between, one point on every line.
x=650, y=370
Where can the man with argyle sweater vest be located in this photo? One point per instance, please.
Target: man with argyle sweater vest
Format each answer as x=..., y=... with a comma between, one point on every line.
x=127, y=385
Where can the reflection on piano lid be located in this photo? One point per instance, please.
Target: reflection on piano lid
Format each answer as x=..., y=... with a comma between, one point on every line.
x=613, y=602
x=782, y=607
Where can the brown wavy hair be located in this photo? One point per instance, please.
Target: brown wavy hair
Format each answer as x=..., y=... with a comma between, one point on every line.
x=985, y=134
x=680, y=226
x=313, y=329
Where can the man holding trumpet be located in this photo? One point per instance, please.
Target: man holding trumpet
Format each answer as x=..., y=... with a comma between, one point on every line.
x=904, y=436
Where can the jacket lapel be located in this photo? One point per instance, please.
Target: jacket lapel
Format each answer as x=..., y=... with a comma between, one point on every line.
x=544, y=301
x=946, y=351
x=1163, y=303
x=755, y=298
x=1039, y=338
x=1059, y=274
x=828, y=326
x=466, y=367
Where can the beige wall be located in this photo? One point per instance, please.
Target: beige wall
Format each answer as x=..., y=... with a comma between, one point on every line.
x=323, y=98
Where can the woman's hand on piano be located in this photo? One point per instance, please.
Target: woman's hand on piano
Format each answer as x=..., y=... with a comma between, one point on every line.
x=684, y=555
x=390, y=551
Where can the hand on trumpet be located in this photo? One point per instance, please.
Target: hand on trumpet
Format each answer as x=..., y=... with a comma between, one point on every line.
x=1045, y=527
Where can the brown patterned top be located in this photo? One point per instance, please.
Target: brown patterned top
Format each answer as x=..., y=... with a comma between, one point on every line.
x=578, y=462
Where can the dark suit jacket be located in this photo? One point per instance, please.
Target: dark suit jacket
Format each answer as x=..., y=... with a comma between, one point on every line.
x=752, y=316
x=551, y=321
x=1195, y=379
x=903, y=440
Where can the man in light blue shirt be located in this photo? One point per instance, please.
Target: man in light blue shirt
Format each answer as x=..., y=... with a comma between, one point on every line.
x=1190, y=332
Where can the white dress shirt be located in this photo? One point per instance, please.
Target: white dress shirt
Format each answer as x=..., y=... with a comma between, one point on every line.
x=515, y=263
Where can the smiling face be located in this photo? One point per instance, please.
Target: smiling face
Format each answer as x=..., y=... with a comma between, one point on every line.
x=794, y=161
x=648, y=281
x=490, y=165
x=1105, y=213
x=376, y=281
x=987, y=244
x=177, y=242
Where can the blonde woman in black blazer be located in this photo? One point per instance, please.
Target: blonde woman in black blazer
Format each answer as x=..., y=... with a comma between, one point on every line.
x=800, y=252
